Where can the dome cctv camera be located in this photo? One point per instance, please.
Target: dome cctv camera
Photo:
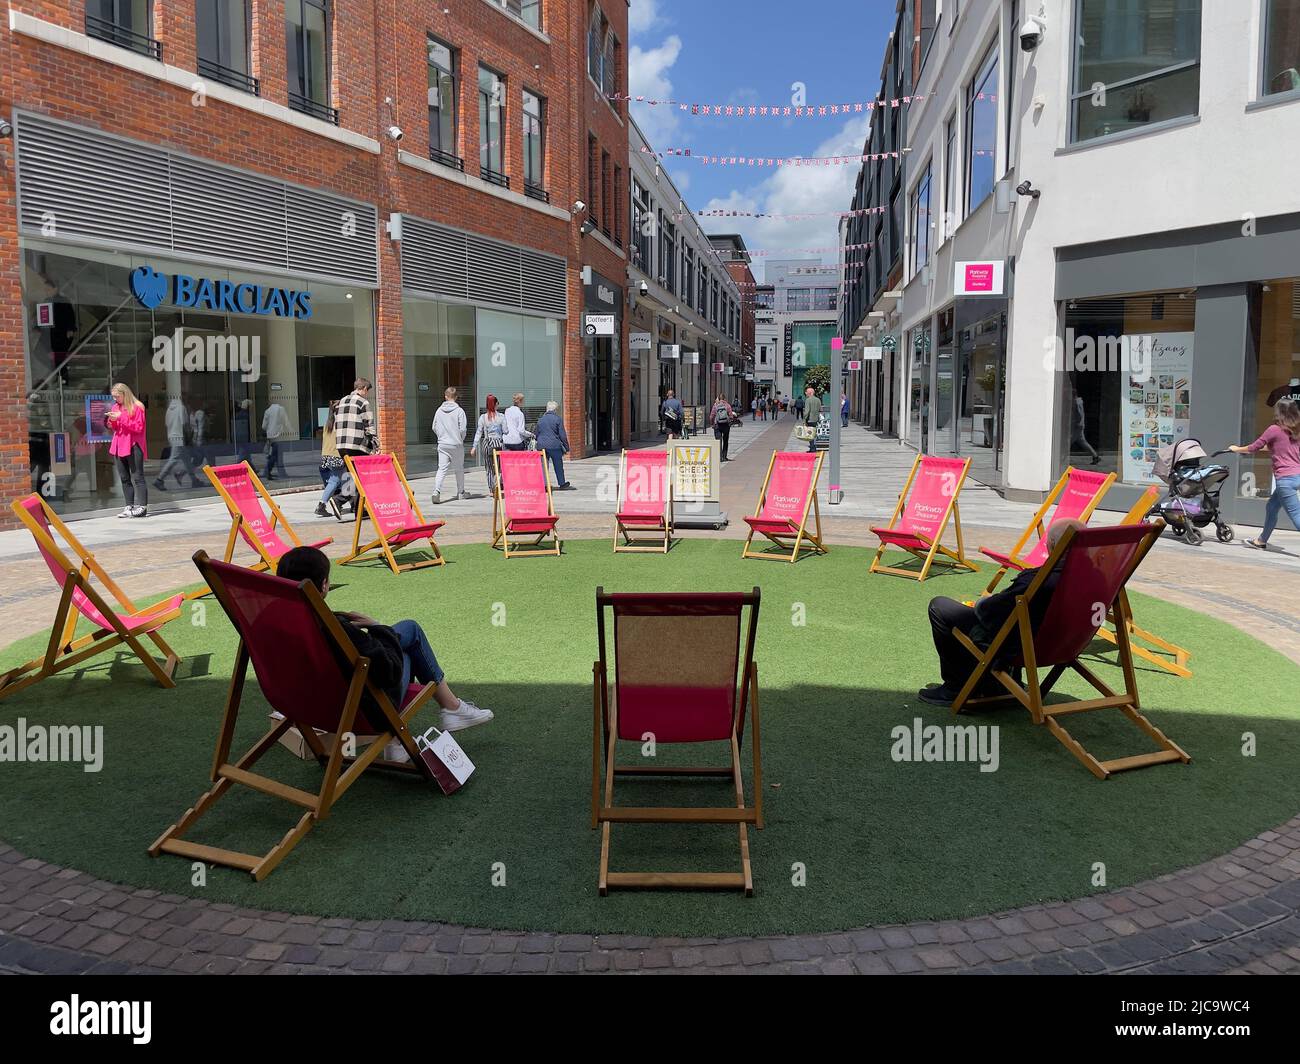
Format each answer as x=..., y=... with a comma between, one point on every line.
x=645, y=288
x=1032, y=32
x=395, y=132
x=579, y=206
x=6, y=129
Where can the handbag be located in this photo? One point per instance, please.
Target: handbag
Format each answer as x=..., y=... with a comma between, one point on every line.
x=805, y=432
x=450, y=766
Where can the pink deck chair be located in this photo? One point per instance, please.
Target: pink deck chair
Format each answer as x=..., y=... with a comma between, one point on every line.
x=1093, y=566
x=387, y=499
x=80, y=599
x=1076, y=495
x=927, y=503
x=318, y=687
x=789, y=493
x=643, y=518
x=705, y=697
x=244, y=496
x=523, y=507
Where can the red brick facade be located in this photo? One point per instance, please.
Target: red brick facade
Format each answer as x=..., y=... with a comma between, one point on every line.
x=377, y=52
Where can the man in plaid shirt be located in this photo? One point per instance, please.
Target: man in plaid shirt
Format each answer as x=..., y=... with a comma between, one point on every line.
x=354, y=424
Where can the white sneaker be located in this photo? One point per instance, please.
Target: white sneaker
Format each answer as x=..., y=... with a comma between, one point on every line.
x=395, y=751
x=139, y=511
x=466, y=716
x=127, y=512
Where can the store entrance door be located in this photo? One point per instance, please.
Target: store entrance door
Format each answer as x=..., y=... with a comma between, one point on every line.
x=980, y=395
x=602, y=397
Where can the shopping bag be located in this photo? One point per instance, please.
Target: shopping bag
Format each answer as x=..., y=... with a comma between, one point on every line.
x=450, y=765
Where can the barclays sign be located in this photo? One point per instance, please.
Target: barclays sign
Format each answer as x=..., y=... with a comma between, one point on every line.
x=151, y=289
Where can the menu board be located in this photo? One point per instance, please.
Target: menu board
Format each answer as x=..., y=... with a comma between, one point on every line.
x=97, y=408
x=1158, y=406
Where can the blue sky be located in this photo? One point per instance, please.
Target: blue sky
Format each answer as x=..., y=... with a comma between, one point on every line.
x=743, y=52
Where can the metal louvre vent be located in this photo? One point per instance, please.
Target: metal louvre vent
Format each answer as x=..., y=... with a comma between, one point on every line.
x=493, y=272
x=545, y=284
x=123, y=192
x=434, y=259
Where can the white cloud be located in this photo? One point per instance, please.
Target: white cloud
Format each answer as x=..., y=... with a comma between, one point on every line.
x=648, y=72
x=642, y=15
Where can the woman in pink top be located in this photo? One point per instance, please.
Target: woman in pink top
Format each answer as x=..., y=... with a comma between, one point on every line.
x=128, y=446
x=1282, y=439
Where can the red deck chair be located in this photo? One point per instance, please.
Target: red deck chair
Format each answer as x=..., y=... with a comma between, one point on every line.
x=1095, y=565
x=1076, y=495
x=387, y=499
x=523, y=507
x=244, y=496
x=644, y=515
x=703, y=698
x=789, y=492
x=318, y=686
x=80, y=599
x=927, y=502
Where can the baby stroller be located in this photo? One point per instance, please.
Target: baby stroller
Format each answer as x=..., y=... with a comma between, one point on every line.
x=1193, y=498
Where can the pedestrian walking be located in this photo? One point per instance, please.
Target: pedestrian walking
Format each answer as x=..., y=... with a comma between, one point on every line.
x=844, y=411
x=516, y=434
x=276, y=427
x=129, y=448
x=178, y=458
x=552, y=439
x=333, y=470
x=673, y=414
x=354, y=423
x=721, y=415
x=753, y=409
x=449, y=424
x=1282, y=440
x=812, y=412
x=489, y=436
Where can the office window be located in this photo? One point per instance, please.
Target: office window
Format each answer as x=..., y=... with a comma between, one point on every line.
x=920, y=220
x=713, y=302
x=529, y=11
x=610, y=69
x=950, y=179
x=596, y=45
x=491, y=126
x=593, y=179
x=798, y=299
x=306, y=26
x=702, y=304
x=927, y=11
x=1145, y=54
x=825, y=298
x=642, y=220
x=534, y=111
x=981, y=132
x=606, y=199
x=442, y=103
x=617, y=192
x=1281, y=46
x=688, y=275
x=127, y=23
x=222, y=27
x=764, y=300
x=667, y=253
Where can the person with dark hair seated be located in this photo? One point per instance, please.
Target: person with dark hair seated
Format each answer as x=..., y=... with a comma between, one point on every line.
x=981, y=622
x=399, y=654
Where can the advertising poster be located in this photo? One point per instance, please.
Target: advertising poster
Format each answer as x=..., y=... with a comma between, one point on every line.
x=1157, y=407
x=97, y=408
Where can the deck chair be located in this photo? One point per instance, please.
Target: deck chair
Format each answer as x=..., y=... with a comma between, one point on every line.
x=385, y=497
x=703, y=698
x=80, y=599
x=643, y=519
x=245, y=495
x=789, y=492
x=1094, y=564
x=522, y=506
x=1164, y=650
x=318, y=686
x=928, y=501
x=1076, y=495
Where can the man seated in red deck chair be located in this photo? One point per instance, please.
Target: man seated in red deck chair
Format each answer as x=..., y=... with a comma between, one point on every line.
x=1091, y=567
x=980, y=622
x=387, y=499
x=927, y=502
x=644, y=515
x=523, y=507
x=789, y=492
x=80, y=598
x=244, y=496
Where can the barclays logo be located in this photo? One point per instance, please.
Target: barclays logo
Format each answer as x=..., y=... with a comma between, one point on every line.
x=151, y=289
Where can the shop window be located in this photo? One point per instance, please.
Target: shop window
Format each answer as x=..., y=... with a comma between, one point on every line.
x=1272, y=372
x=1281, y=47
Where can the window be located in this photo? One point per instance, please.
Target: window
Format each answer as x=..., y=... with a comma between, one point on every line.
x=1281, y=46
x=764, y=300
x=825, y=298
x=610, y=80
x=491, y=127
x=593, y=179
x=688, y=275
x=617, y=191
x=442, y=104
x=529, y=11
x=950, y=180
x=713, y=302
x=642, y=227
x=981, y=131
x=1013, y=44
x=927, y=19
x=596, y=45
x=702, y=304
x=534, y=111
x=127, y=23
x=606, y=199
x=798, y=299
x=1145, y=54
x=306, y=29
x=667, y=253
x=920, y=221
x=223, y=42
x=1272, y=372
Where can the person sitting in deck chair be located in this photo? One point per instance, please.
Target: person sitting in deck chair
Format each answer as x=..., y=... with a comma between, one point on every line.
x=981, y=623
x=399, y=654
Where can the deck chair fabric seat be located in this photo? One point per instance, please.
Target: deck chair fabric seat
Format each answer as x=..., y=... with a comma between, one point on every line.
x=248, y=503
x=787, y=498
x=707, y=696
x=928, y=501
x=640, y=520
x=80, y=598
x=385, y=498
x=1092, y=566
x=317, y=690
x=523, y=506
x=643, y=515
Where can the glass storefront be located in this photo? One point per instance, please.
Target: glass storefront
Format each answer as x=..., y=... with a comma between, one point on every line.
x=918, y=421
x=1272, y=371
x=210, y=374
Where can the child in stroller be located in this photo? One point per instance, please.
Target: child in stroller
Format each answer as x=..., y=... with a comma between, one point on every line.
x=1193, y=498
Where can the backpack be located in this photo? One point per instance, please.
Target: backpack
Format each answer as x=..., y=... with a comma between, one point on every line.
x=721, y=415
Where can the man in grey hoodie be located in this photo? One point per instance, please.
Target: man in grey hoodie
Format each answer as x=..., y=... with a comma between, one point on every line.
x=449, y=424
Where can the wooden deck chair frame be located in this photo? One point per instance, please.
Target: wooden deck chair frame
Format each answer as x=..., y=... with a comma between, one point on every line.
x=1018, y=630
x=1035, y=530
x=381, y=540
x=798, y=540
x=63, y=650
x=265, y=562
x=644, y=539
x=1164, y=650
x=937, y=552
x=337, y=778
x=604, y=813
x=521, y=547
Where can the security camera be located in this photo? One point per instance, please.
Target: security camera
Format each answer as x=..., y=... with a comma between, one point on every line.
x=1026, y=188
x=6, y=128
x=645, y=288
x=1032, y=32
x=579, y=206
x=395, y=133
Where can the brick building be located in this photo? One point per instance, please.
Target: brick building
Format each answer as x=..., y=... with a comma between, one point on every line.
x=236, y=204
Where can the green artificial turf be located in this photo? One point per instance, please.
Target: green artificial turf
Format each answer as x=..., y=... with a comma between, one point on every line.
x=879, y=841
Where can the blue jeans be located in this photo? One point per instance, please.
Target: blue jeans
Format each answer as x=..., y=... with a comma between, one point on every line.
x=1285, y=497
x=272, y=459
x=333, y=480
x=419, y=665
x=556, y=455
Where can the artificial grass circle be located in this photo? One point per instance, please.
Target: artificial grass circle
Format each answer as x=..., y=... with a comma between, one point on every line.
x=853, y=836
